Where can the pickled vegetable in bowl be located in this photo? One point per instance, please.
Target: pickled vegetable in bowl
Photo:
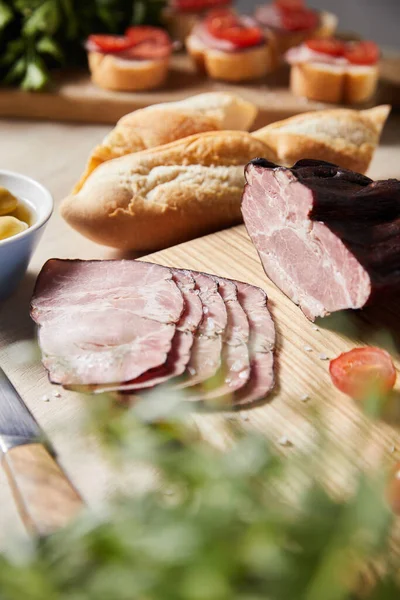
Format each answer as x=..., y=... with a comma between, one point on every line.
x=15, y=217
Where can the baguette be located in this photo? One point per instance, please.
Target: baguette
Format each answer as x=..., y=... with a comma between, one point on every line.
x=164, y=123
x=161, y=197
x=113, y=73
x=166, y=195
x=345, y=137
x=334, y=83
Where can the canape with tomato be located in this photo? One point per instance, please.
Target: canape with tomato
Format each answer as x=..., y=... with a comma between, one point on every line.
x=331, y=70
x=138, y=60
x=230, y=47
x=181, y=16
x=291, y=22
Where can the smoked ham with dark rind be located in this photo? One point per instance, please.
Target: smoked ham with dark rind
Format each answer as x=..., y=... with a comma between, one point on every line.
x=329, y=238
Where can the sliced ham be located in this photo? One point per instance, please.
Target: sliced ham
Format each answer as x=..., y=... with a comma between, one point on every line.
x=261, y=345
x=101, y=322
x=235, y=366
x=180, y=353
x=206, y=354
x=328, y=237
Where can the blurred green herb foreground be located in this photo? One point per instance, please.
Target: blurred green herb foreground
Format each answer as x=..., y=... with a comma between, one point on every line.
x=213, y=526
x=37, y=36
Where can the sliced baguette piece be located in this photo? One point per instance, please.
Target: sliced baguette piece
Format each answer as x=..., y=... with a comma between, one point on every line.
x=342, y=136
x=318, y=81
x=242, y=65
x=164, y=123
x=167, y=195
x=283, y=41
x=179, y=24
x=113, y=73
x=337, y=84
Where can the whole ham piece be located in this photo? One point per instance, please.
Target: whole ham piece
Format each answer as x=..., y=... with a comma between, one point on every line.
x=127, y=326
x=329, y=238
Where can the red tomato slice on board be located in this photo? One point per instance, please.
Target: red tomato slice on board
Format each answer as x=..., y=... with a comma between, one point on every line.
x=198, y=5
x=148, y=43
x=298, y=20
x=110, y=43
x=362, y=371
x=327, y=46
x=226, y=25
x=362, y=53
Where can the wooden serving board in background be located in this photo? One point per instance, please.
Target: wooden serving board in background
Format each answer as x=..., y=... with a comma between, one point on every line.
x=55, y=153
x=75, y=98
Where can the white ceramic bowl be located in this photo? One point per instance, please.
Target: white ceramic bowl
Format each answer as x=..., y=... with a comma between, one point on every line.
x=16, y=251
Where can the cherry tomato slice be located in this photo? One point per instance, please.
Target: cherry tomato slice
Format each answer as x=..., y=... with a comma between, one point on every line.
x=362, y=53
x=226, y=25
x=148, y=43
x=198, y=5
x=327, y=46
x=298, y=20
x=145, y=34
x=110, y=43
x=362, y=371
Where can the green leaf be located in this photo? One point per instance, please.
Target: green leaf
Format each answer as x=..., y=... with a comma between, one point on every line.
x=45, y=19
x=6, y=14
x=17, y=71
x=49, y=46
x=36, y=76
x=13, y=51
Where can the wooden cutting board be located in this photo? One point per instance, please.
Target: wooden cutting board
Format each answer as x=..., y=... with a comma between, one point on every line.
x=35, y=149
x=74, y=98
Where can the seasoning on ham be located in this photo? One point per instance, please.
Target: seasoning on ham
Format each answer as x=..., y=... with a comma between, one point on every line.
x=102, y=322
x=328, y=237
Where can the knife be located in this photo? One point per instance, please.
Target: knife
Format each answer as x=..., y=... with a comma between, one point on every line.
x=45, y=497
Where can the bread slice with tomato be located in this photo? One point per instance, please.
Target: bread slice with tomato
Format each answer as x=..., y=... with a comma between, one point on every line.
x=334, y=71
x=139, y=60
x=291, y=22
x=231, y=47
x=181, y=16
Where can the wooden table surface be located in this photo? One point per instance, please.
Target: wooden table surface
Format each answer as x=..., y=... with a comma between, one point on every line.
x=54, y=154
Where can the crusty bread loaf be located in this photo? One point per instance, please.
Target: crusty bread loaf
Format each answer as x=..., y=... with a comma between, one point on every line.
x=113, y=73
x=167, y=195
x=172, y=193
x=243, y=65
x=349, y=84
x=164, y=123
x=345, y=137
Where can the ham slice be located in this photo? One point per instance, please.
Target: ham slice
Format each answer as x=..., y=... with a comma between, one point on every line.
x=235, y=368
x=104, y=321
x=261, y=345
x=182, y=342
x=328, y=237
x=205, y=359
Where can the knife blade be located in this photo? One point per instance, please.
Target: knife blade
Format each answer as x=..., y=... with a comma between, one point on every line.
x=46, y=499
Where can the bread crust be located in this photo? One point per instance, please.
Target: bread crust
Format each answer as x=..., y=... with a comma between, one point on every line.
x=243, y=65
x=161, y=197
x=178, y=24
x=165, y=123
x=336, y=84
x=345, y=137
x=113, y=73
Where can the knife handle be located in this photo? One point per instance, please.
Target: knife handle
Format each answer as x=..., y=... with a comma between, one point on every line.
x=46, y=499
